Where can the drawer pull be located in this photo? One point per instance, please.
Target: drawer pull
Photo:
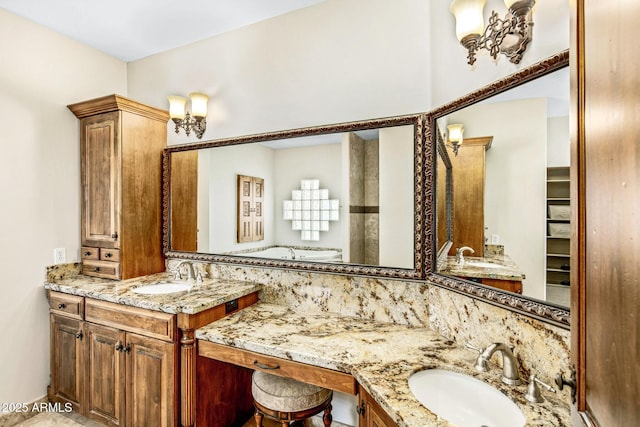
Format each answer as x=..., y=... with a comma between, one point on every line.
x=97, y=269
x=87, y=253
x=62, y=306
x=108, y=255
x=265, y=366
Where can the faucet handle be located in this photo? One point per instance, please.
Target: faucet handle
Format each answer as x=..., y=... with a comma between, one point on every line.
x=533, y=392
x=474, y=348
x=200, y=275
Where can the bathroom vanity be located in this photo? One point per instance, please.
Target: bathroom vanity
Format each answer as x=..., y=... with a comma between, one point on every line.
x=124, y=358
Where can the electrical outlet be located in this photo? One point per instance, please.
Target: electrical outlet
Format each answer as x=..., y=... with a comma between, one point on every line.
x=495, y=239
x=59, y=256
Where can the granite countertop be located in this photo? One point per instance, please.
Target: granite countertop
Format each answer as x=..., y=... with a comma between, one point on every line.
x=210, y=293
x=380, y=356
x=503, y=268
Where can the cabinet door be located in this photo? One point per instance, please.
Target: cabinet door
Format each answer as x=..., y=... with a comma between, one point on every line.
x=100, y=171
x=105, y=374
x=371, y=415
x=151, y=386
x=67, y=361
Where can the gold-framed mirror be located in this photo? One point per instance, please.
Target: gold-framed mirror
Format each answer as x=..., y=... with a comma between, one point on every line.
x=369, y=174
x=487, y=259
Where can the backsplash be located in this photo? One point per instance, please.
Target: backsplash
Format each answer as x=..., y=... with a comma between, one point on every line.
x=541, y=348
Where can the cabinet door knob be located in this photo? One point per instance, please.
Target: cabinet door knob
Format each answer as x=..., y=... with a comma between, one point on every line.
x=360, y=409
x=119, y=346
x=114, y=236
x=79, y=335
x=127, y=348
x=62, y=306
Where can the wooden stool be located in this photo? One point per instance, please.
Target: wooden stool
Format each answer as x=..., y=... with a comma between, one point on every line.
x=285, y=400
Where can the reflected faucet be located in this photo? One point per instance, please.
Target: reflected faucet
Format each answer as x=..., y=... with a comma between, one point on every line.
x=460, y=254
x=510, y=374
x=190, y=272
x=293, y=253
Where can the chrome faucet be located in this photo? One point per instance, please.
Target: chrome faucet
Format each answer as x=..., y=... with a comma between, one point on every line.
x=460, y=253
x=190, y=272
x=293, y=253
x=510, y=374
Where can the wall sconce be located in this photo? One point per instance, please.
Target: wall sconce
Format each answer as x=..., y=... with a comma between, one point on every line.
x=509, y=36
x=183, y=119
x=455, y=136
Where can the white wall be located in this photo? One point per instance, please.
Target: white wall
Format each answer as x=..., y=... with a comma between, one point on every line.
x=41, y=73
x=333, y=62
x=396, y=196
x=558, y=148
x=321, y=162
x=225, y=166
x=515, y=180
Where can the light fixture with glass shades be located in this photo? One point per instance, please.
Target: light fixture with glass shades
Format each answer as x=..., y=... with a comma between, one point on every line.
x=183, y=119
x=509, y=36
x=454, y=137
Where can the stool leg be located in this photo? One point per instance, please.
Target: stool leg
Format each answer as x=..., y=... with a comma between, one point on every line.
x=327, y=418
x=258, y=417
x=285, y=424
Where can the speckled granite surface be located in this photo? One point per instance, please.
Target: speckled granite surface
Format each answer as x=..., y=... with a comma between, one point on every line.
x=505, y=268
x=209, y=293
x=381, y=356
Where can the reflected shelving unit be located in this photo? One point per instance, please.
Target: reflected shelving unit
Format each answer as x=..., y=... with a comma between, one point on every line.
x=558, y=235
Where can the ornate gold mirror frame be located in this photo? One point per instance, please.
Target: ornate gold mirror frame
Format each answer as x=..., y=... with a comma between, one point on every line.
x=423, y=235
x=530, y=307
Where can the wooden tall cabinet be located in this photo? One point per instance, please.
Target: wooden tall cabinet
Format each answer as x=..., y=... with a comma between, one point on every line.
x=468, y=194
x=121, y=143
x=605, y=166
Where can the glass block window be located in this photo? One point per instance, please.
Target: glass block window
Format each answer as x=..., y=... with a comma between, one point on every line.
x=310, y=210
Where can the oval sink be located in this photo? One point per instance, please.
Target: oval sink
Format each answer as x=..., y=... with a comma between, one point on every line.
x=464, y=400
x=162, y=288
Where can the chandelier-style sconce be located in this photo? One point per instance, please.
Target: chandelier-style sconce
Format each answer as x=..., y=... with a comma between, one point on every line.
x=182, y=118
x=509, y=36
x=454, y=138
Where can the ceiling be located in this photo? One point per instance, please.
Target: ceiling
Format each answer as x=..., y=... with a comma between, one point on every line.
x=133, y=29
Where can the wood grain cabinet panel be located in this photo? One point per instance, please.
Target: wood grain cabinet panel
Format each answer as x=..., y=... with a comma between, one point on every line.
x=370, y=413
x=105, y=374
x=67, y=361
x=121, y=143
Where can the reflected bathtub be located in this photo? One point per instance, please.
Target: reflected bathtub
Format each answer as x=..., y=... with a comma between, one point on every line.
x=284, y=252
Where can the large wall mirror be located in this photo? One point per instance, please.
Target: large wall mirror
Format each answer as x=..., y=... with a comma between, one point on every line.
x=510, y=191
x=345, y=198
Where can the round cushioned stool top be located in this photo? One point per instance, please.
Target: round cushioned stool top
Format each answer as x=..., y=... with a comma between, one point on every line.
x=284, y=394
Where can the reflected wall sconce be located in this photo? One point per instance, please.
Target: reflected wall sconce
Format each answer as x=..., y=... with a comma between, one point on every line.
x=509, y=36
x=455, y=138
x=182, y=118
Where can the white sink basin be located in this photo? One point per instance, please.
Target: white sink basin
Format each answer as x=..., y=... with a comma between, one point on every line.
x=162, y=288
x=464, y=400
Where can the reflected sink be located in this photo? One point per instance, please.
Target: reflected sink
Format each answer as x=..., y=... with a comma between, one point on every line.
x=464, y=400
x=482, y=264
x=162, y=288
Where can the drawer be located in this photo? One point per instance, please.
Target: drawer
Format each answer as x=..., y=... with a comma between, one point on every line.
x=90, y=253
x=310, y=374
x=106, y=269
x=70, y=305
x=112, y=255
x=141, y=321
